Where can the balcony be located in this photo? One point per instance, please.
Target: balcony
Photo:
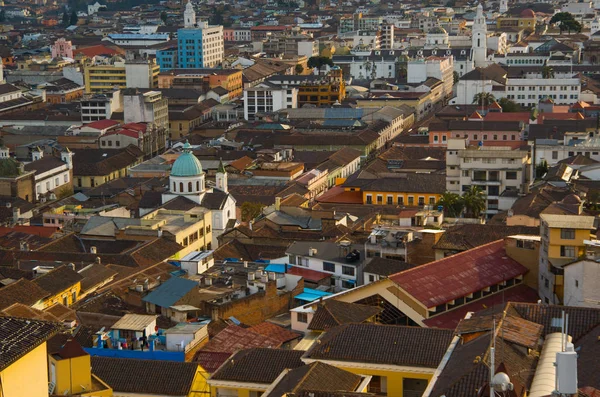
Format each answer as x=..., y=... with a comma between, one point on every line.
x=486, y=182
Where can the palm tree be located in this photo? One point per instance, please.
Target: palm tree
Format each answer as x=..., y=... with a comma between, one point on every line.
x=474, y=201
x=484, y=98
x=547, y=72
x=452, y=203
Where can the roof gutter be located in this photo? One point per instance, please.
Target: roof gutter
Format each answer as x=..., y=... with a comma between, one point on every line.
x=444, y=361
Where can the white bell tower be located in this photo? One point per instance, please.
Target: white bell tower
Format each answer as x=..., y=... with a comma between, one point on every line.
x=189, y=15
x=221, y=178
x=479, y=39
x=503, y=6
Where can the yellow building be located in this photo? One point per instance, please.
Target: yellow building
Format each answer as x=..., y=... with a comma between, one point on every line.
x=133, y=377
x=240, y=375
x=562, y=243
x=525, y=20
x=70, y=373
x=24, y=363
x=104, y=77
x=63, y=285
x=94, y=167
x=324, y=91
x=400, y=360
x=409, y=190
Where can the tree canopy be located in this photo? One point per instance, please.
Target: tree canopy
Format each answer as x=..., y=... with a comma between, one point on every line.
x=317, y=62
x=566, y=21
x=509, y=106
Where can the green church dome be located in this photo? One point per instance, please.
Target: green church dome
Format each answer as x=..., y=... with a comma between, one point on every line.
x=186, y=164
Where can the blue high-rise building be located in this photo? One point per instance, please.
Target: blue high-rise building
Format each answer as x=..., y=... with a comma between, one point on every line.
x=200, y=47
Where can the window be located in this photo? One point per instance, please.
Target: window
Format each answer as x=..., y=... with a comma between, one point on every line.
x=118, y=143
x=329, y=267
x=348, y=270
x=189, y=186
x=371, y=278
x=546, y=283
x=421, y=200
x=400, y=200
x=378, y=385
x=66, y=178
x=576, y=283
x=567, y=234
x=567, y=251
x=411, y=200
x=431, y=200
x=302, y=317
x=181, y=187
x=390, y=200
x=511, y=175
x=369, y=199
x=348, y=284
x=554, y=155
x=379, y=199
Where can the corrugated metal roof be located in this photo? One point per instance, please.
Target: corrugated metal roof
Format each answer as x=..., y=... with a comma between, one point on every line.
x=459, y=275
x=134, y=322
x=170, y=292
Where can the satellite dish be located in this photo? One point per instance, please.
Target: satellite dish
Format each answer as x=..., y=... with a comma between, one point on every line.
x=501, y=382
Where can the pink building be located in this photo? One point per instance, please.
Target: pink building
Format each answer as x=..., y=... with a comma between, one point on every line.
x=62, y=48
x=228, y=34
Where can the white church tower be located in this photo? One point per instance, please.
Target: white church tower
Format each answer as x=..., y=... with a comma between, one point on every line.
x=221, y=178
x=479, y=39
x=189, y=16
x=595, y=26
x=503, y=7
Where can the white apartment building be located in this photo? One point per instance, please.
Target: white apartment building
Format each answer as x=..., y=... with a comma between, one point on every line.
x=266, y=97
x=100, y=107
x=552, y=150
x=502, y=173
x=343, y=261
x=51, y=173
x=441, y=68
x=148, y=107
x=526, y=91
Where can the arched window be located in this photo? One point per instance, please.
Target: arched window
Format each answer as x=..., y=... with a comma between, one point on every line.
x=190, y=187
x=478, y=42
x=198, y=185
x=180, y=187
x=174, y=187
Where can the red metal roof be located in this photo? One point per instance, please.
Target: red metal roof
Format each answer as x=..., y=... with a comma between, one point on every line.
x=308, y=274
x=450, y=319
x=94, y=50
x=513, y=116
x=459, y=275
x=102, y=124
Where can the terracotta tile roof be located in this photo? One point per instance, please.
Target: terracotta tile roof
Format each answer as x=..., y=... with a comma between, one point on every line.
x=385, y=267
x=100, y=162
x=465, y=237
x=337, y=194
x=61, y=312
x=332, y=313
x=458, y=275
x=19, y=336
x=308, y=274
x=383, y=344
x=24, y=311
x=274, y=331
x=59, y=279
x=316, y=376
x=127, y=375
x=211, y=361
x=234, y=338
x=242, y=366
x=21, y=291
x=521, y=332
x=94, y=50
x=95, y=275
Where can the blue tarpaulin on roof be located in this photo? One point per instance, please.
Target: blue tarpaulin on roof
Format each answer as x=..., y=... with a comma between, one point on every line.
x=277, y=268
x=310, y=295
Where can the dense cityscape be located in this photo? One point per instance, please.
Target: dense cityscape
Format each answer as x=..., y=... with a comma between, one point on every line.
x=299, y=198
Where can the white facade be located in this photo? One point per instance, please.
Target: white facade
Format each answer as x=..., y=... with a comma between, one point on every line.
x=553, y=151
x=197, y=262
x=268, y=98
x=524, y=91
x=308, y=48
x=55, y=178
x=100, y=107
x=441, y=68
x=503, y=6
x=582, y=284
x=149, y=107
x=479, y=38
x=139, y=74
x=493, y=169
x=578, y=8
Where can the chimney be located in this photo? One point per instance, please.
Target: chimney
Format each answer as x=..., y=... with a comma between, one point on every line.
x=16, y=215
x=72, y=266
x=251, y=276
x=93, y=250
x=264, y=278
x=98, y=260
x=208, y=281
x=146, y=285
x=160, y=232
x=250, y=225
x=277, y=203
x=272, y=276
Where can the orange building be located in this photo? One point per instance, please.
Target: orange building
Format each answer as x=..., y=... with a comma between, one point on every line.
x=203, y=79
x=62, y=91
x=324, y=91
